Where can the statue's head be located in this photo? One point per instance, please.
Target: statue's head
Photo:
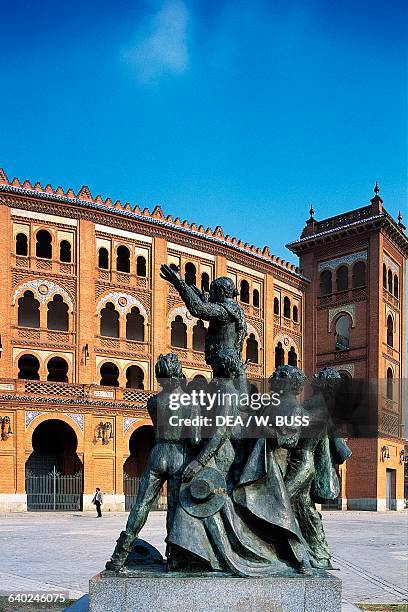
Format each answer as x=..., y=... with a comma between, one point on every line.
x=226, y=364
x=327, y=381
x=287, y=379
x=222, y=288
x=168, y=370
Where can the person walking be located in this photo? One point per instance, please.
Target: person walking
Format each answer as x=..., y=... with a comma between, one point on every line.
x=98, y=501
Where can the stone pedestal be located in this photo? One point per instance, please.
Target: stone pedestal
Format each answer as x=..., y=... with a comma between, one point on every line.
x=153, y=589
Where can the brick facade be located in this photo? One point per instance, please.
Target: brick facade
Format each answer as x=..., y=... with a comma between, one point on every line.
x=283, y=306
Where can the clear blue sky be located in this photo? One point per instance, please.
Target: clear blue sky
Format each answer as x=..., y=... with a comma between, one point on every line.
x=231, y=113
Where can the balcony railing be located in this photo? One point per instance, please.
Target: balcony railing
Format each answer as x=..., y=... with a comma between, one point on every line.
x=69, y=391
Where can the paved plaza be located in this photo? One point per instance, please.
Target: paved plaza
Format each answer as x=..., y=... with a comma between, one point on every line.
x=60, y=552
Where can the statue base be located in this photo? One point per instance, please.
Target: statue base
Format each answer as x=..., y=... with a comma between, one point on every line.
x=152, y=588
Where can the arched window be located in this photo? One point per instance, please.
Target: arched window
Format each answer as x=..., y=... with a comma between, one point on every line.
x=57, y=370
x=295, y=314
x=65, y=251
x=205, y=282
x=384, y=276
x=135, y=325
x=342, y=278
x=43, y=245
x=390, y=331
x=252, y=349
x=21, y=245
x=179, y=333
x=326, y=283
x=286, y=308
x=255, y=298
x=343, y=333
x=199, y=333
x=123, y=259
x=141, y=266
x=292, y=357
x=395, y=286
x=109, y=375
x=279, y=355
x=28, y=310
x=359, y=274
x=134, y=377
x=244, y=291
x=190, y=274
x=276, y=306
x=57, y=314
x=103, y=258
x=390, y=384
x=109, y=321
x=28, y=367
x=389, y=281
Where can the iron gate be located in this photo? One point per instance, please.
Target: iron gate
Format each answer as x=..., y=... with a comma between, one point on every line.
x=131, y=488
x=54, y=491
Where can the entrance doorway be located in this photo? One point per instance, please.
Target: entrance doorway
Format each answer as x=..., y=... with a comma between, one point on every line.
x=391, y=490
x=140, y=443
x=54, y=472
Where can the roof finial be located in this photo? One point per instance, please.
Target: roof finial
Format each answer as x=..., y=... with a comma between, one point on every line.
x=376, y=188
x=399, y=217
x=311, y=211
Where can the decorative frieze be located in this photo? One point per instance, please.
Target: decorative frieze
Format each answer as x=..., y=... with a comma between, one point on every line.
x=347, y=309
x=127, y=423
x=123, y=303
x=30, y=415
x=77, y=418
x=348, y=260
x=390, y=263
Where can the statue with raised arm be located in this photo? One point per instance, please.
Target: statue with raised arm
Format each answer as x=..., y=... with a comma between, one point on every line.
x=227, y=326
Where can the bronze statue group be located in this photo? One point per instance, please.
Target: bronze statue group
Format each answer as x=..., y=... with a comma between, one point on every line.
x=237, y=504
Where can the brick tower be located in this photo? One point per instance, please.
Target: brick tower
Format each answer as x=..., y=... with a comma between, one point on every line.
x=355, y=322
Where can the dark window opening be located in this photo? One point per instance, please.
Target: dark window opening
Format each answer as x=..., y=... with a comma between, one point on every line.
x=286, y=308
x=343, y=333
x=21, y=245
x=326, y=283
x=244, y=291
x=57, y=314
x=28, y=367
x=199, y=333
x=109, y=321
x=295, y=314
x=279, y=355
x=190, y=274
x=396, y=286
x=255, y=298
x=65, y=251
x=103, y=258
x=205, y=282
x=141, y=266
x=342, y=278
x=252, y=352
x=179, y=333
x=390, y=281
x=28, y=310
x=359, y=274
x=292, y=357
x=109, y=375
x=135, y=325
x=134, y=377
x=57, y=370
x=390, y=384
x=384, y=276
x=123, y=259
x=276, y=306
x=390, y=331
x=43, y=247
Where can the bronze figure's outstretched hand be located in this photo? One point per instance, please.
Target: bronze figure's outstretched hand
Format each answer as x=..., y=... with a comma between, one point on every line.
x=170, y=275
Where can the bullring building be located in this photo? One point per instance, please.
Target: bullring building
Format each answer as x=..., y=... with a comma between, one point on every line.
x=84, y=315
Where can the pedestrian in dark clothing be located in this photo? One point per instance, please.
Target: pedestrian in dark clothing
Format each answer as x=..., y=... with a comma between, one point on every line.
x=98, y=501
